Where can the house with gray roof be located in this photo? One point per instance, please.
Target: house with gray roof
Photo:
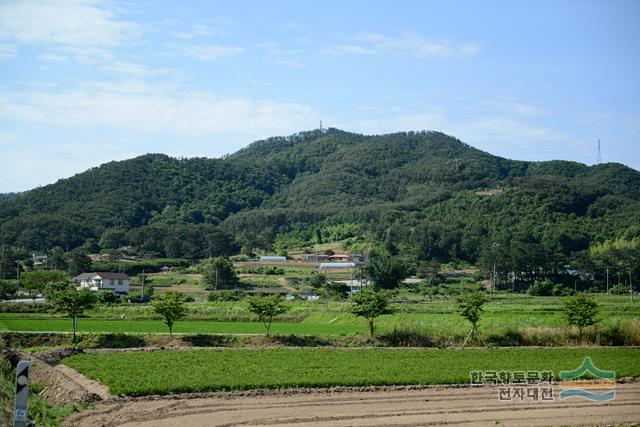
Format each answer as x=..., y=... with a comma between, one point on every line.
x=102, y=281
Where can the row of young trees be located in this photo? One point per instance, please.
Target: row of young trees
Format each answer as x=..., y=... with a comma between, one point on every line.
x=579, y=310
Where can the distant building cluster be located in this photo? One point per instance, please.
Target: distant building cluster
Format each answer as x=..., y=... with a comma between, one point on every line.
x=338, y=258
x=325, y=260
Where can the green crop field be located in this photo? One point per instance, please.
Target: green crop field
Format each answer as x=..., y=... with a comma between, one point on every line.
x=185, y=327
x=318, y=318
x=163, y=372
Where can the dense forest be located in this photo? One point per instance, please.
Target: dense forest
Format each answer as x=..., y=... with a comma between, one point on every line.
x=423, y=196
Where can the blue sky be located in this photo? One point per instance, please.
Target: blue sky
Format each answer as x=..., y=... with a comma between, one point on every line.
x=86, y=82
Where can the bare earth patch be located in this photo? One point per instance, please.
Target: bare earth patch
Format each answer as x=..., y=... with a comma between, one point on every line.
x=89, y=385
x=64, y=385
x=409, y=407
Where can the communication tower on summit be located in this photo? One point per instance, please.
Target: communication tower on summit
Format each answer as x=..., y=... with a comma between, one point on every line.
x=597, y=162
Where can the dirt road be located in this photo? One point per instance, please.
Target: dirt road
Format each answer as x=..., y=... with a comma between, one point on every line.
x=434, y=406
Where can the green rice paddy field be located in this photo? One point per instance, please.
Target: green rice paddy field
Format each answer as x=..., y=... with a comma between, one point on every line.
x=178, y=371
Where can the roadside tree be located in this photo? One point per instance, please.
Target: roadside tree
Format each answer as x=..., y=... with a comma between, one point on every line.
x=581, y=311
x=470, y=307
x=73, y=302
x=371, y=304
x=171, y=307
x=267, y=308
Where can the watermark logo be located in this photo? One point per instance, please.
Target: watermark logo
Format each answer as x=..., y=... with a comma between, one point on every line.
x=588, y=382
x=517, y=385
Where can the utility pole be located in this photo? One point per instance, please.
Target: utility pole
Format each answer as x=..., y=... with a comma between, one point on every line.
x=493, y=280
x=630, y=286
x=142, y=283
x=607, y=280
x=18, y=270
x=215, y=287
x=351, y=281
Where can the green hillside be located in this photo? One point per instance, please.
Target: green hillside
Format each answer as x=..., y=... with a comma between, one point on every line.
x=423, y=195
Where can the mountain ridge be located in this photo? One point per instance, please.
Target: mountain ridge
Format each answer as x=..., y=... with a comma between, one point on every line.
x=298, y=187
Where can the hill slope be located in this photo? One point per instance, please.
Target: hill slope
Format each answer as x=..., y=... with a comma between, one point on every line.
x=425, y=195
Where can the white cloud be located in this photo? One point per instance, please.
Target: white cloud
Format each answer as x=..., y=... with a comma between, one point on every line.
x=288, y=62
x=277, y=55
x=516, y=107
x=205, y=30
x=199, y=30
x=212, y=52
x=408, y=44
x=136, y=106
x=7, y=50
x=183, y=35
x=351, y=49
x=95, y=122
x=21, y=169
x=135, y=70
x=85, y=31
x=7, y=138
x=87, y=55
x=52, y=57
x=293, y=26
x=63, y=23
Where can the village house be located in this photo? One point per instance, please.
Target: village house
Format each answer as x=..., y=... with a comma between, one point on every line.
x=314, y=257
x=100, y=281
x=39, y=259
x=355, y=258
x=339, y=258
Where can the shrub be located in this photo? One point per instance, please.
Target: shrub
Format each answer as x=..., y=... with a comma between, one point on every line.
x=8, y=289
x=108, y=297
x=335, y=290
x=203, y=340
x=119, y=340
x=406, y=338
x=619, y=289
x=226, y=296
x=10, y=307
x=541, y=288
x=300, y=340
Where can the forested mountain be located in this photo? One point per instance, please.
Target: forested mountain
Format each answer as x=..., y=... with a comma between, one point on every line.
x=423, y=195
x=6, y=196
